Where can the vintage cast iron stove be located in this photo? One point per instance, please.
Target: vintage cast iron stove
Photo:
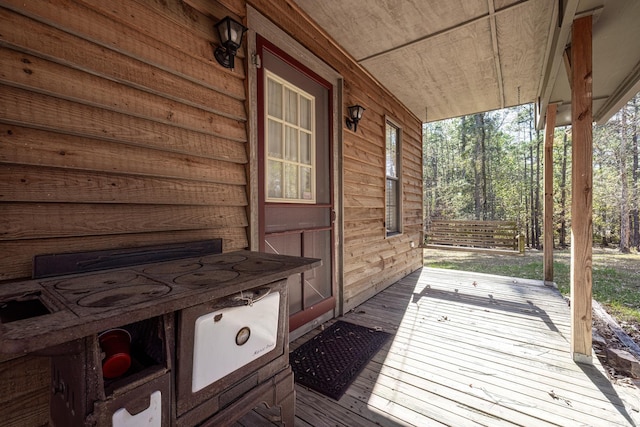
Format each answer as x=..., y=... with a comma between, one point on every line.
x=209, y=332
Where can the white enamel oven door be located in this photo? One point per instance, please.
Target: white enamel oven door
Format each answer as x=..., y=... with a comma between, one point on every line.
x=224, y=344
x=227, y=339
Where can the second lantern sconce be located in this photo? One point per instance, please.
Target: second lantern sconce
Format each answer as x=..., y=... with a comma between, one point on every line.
x=355, y=114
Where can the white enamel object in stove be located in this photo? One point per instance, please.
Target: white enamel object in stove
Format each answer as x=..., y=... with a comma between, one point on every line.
x=150, y=417
x=229, y=338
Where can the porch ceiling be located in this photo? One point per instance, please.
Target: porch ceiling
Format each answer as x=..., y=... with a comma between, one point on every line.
x=444, y=59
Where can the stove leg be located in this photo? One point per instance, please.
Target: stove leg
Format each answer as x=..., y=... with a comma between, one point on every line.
x=288, y=410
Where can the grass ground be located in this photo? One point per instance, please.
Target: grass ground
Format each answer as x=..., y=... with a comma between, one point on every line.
x=616, y=277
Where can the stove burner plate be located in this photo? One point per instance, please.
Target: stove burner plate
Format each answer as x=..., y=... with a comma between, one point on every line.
x=121, y=296
x=96, y=281
x=253, y=266
x=103, y=291
x=206, y=277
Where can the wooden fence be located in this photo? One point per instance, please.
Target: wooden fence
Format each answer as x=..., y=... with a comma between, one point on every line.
x=490, y=236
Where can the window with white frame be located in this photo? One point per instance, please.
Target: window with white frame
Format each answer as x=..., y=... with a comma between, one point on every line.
x=393, y=185
x=290, y=146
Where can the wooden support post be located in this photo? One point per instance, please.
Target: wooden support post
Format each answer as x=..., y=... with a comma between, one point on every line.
x=549, y=128
x=582, y=179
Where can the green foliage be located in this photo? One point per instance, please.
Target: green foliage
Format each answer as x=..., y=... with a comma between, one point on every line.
x=489, y=166
x=468, y=158
x=562, y=185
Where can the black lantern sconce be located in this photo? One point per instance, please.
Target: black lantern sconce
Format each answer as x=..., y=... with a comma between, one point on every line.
x=230, y=32
x=355, y=114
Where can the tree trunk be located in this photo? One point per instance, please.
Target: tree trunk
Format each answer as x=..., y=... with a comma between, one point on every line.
x=531, y=200
x=563, y=194
x=477, y=165
x=603, y=231
x=537, y=213
x=635, y=232
x=483, y=160
x=624, y=193
x=526, y=205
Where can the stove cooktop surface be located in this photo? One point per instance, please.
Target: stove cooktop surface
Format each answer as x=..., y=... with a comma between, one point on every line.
x=86, y=303
x=101, y=291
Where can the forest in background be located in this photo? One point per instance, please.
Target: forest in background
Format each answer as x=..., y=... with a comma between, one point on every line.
x=489, y=166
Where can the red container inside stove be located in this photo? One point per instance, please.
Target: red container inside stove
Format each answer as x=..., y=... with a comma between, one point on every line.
x=115, y=344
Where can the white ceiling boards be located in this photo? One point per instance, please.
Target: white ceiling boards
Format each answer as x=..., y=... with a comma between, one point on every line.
x=449, y=58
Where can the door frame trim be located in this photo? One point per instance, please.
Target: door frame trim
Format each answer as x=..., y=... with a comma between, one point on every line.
x=262, y=45
x=259, y=24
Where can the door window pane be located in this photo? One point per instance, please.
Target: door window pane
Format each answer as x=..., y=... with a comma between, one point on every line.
x=317, y=282
x=305, y=183
x=275, y=139
x=291, y=106
x=290, y=244
x=290, y=145
x=274, y=96
x=291, y=179
x=274, y=174
x=305, y=113
x=305, y=148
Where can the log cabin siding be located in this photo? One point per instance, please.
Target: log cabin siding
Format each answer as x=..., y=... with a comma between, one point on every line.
x=119, y=129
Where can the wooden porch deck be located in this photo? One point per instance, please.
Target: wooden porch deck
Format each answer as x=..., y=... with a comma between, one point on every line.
x=469, y=349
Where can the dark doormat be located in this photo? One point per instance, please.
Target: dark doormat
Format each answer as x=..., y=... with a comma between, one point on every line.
x=330, y=361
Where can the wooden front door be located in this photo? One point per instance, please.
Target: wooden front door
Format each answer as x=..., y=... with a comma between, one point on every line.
x=295, y=185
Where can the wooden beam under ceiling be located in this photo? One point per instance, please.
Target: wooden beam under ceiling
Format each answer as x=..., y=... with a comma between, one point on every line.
x=559, y=36
x=623, y=93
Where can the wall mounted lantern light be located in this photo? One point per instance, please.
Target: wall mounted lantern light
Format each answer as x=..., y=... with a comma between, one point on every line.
x=355, y=114
x=230, y=32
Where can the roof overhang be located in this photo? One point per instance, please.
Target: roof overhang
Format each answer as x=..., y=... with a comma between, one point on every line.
x=447, y=59
x=616, y=58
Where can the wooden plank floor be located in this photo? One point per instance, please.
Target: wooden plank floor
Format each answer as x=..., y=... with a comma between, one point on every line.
x=470, y=349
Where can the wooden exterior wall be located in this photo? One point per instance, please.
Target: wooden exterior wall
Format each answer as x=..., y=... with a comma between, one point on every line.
x=119, y=129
